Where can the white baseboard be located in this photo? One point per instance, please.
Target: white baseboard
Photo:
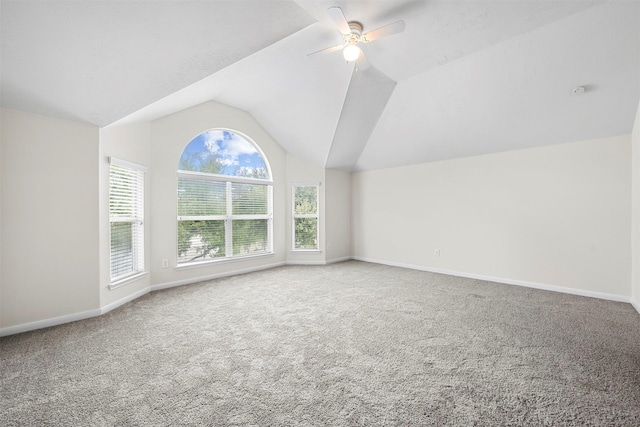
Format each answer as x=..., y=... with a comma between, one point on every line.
x=31, y=326
x=214, y=276
x=25, y=327
x=54, y=321
x=320, y=262
x=107, y=308
x=336, y=260
x=315, y=262
x=542, y=286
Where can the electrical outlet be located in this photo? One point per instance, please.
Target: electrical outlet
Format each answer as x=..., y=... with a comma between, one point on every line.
x=436, y=252
x=165, y=263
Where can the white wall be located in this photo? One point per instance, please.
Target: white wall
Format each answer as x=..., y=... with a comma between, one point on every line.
x=635, y=291
x=169, y=136
x=49, y=218
x=131, y=143
x=74, y=157
x=555, y=216
x=337, y=215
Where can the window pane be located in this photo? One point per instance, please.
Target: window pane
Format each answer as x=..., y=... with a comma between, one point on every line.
x=197, y=197
x=200, y=240
x=249, y=236
x=222, y=152
x=121, y=248
x=306, y=200
x=249, y=199
x=306, y=233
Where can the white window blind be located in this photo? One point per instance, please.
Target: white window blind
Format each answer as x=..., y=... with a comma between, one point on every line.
x=219, y=218
x=126, y=218
x=305, y=217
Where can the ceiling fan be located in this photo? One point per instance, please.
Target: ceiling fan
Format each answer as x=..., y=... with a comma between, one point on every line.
x=352, y=34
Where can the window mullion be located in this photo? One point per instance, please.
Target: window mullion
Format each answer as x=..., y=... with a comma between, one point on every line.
x=315, y=215
x=202, y=218
x=270, y=219
x=228, y=223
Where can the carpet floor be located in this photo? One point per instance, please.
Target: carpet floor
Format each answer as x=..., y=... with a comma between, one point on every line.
x=348, y=344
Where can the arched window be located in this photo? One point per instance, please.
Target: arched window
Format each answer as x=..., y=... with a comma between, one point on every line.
x=224, y=199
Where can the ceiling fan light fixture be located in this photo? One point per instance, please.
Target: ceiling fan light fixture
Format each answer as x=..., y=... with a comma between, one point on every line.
x=351, y=52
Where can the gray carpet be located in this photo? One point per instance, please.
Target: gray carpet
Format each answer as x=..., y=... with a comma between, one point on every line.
x=349, y=344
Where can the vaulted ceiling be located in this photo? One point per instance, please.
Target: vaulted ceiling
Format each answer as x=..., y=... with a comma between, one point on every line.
x=465, y=77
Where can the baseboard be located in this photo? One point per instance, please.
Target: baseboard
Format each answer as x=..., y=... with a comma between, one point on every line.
x=542, y=286
x=336, y=260
x=315, y=262
x=46, y=323
x=55, y=321
x=214, y=276
x=40, y=324
x=319, y=262
x=107, y=308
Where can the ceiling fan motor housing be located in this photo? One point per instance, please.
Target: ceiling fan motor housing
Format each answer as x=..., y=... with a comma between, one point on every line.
x=356, y=33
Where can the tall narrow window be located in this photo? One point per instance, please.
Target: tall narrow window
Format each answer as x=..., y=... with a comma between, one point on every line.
x=126, y=219
x=224, y=199
x=305, y=217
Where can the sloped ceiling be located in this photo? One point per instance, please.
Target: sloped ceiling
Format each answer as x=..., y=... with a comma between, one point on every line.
x=465, y=78
x=99, y=61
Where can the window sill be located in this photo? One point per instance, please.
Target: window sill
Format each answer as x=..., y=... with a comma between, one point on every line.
x=209, y=263
x=305, y=251
x=126, y=280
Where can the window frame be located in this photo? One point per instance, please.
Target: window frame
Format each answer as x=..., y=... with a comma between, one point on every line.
x=229, y=217
x=295, y=216
x=137, y=174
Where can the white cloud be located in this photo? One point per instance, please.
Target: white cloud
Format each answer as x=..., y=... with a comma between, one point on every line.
x=213, y=140
x=226, y=161
x=227, y=145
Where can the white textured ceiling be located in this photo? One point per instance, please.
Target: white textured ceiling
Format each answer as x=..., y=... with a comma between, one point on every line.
x=98, y=61
x=465, y=78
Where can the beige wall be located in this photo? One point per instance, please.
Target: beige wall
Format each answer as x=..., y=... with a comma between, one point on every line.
x=49, y=218
x=133, y=144
x=337, y=215
x=636, y=212
x=556, y=216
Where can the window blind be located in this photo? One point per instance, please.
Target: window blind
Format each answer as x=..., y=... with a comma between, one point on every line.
x=201, y=198
x=126, y=218
x=222, y=218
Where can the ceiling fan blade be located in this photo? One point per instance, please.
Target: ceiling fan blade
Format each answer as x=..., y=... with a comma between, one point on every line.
x=326, y=50
x=387, y=30
x=335, y=13
x=362, y=63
